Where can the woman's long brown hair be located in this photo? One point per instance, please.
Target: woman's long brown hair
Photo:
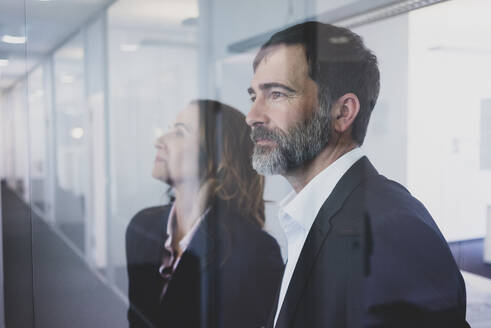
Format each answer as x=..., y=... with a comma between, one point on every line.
x=225, y=160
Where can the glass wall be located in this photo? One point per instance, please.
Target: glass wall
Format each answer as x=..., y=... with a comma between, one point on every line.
x=82, y=130
x=38, y=138
x=72, y=143
x=152, y=75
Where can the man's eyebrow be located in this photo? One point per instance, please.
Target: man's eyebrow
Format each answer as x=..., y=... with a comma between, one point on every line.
x=250, y=91
x=270, y=85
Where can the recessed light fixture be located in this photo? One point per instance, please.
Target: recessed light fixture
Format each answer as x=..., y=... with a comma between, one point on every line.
x=14, y=39
x=129, y=47
x=4, y=62
x=77, y=133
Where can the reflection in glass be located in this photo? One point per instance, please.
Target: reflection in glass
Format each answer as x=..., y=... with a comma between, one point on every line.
x=87, y=86
x=203, y=260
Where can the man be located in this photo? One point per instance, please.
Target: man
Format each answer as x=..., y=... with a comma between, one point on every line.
x=362, y=252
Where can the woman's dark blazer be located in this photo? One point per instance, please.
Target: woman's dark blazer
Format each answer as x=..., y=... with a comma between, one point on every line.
x=227, y=277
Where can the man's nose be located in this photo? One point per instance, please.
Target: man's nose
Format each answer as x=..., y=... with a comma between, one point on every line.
x=257, y=115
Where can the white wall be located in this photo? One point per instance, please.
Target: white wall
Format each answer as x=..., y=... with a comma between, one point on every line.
x=37, y=136
x=386, y=139
x=323, y=6
x=96, y=223
x=450, y=75
x=20, y=131
x=8, y=138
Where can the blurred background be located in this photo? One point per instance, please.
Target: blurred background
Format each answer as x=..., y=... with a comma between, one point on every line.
x=86, y=86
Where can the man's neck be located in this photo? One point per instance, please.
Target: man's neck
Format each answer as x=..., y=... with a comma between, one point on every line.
x=301, y=176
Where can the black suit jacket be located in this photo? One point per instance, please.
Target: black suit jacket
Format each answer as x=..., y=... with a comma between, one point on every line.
x=374, y=257
x=226, y=277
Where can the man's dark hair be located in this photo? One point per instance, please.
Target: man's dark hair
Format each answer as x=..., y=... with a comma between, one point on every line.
x=338, y=62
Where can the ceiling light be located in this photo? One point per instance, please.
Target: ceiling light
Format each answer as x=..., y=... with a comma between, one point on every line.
x=77, y=133
x=14, y=39
x=129, y=47
x=4, y=62
x=75, y=53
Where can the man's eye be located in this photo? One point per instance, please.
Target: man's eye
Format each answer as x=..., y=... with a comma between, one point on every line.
x=276, y=94
x=253, y=98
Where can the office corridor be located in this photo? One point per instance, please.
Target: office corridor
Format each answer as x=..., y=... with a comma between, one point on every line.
x=45, y=281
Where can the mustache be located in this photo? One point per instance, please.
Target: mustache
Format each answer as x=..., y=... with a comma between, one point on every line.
x=262, y=133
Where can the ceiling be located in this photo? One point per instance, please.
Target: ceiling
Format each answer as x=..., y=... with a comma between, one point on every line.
x=45, y=23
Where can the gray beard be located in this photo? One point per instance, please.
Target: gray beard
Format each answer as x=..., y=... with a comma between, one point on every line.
x=293, y=149
x=269, y=161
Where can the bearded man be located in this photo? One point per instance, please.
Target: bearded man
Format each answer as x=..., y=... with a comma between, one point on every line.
x=362, y=252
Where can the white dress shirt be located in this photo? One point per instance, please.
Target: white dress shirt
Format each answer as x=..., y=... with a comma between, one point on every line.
x=298, y=211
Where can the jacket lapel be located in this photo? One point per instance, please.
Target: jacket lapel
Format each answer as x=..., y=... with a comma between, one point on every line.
x=316, y=237
x=272, y=313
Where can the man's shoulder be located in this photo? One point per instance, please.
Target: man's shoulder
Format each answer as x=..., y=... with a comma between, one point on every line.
x=387, y=202
x=388, y=195
x=374, y=190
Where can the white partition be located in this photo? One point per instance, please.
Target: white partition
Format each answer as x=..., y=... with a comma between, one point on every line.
x=449, y=76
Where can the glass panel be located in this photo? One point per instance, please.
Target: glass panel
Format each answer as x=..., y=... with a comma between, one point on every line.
x=159, y=56
x=38, y=138
x=140, y=200
x=72, y=147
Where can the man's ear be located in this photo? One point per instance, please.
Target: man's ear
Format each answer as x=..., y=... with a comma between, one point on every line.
x=344, y=112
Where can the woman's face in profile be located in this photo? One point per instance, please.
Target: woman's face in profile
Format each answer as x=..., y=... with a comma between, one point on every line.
x=176, y=160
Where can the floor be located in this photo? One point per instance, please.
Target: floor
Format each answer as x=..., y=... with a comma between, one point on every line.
x=45, y=282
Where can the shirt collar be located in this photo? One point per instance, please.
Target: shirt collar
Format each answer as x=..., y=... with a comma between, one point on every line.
x=304, y=206
x=184, y=242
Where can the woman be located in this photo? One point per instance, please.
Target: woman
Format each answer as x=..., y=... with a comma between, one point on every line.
x=203, y=260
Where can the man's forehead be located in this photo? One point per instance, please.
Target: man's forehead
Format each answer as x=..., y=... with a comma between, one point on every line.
x=282, y=63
